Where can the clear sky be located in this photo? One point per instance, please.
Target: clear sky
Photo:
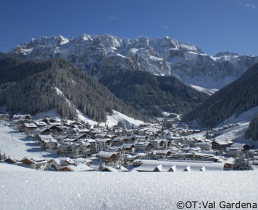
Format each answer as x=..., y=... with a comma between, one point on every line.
x=212, y=25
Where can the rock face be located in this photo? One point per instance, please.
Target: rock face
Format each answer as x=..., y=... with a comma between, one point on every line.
x=160, y=56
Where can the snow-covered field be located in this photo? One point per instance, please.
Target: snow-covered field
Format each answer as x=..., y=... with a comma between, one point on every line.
x=17, y=145
x=117, y=116
x=92, y=190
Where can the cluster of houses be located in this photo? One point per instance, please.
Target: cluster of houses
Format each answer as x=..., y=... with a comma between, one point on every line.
x=148, y=147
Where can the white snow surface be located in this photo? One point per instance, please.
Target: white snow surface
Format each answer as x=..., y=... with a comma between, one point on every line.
x=204, y=90
x=11, y=167
x=53, y=113
x=92, y=190
x=117, y=116
x=17, y=145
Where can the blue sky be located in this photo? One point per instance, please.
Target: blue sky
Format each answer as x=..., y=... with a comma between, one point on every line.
x=212, y=25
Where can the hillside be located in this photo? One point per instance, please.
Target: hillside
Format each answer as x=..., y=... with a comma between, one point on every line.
x=38, y=86
x=152, y=94
x=252, y=131
x=236, y=98
x=159, y=56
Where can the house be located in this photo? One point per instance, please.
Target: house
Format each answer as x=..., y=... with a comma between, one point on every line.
x=172, y=166
x=48, y=142
x=28, y=128
x=57, y=163
x=21, y=117
x=63, y=148
x=95, y=148
x=40, y=124
x=233, y=151
x=55, y=129
x=108, y=169
x=104, y=143
x=144, y=146
x=87, y=162
x=54, y=164
x=161, y=154
x=76, y=168
x=220, y=144
x=14, y=161
x=159, y=144
x=118, y=150
x=76, y=150
x=38, y=164
x=117, y=141
x=108, y=156
x=229, y=164
x=129, y=148
x=43, y=131
x=128, y=140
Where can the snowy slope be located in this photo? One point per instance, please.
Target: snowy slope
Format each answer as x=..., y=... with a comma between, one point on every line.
x=112, y=119
x=53, y=113
x=16, y=144
x=117, y=116
x=236, y=132
x=48, y=190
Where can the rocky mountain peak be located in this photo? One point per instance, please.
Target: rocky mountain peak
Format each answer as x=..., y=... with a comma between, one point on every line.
x=160, y=56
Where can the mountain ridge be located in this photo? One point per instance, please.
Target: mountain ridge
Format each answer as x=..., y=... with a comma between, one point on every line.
x=42, y=85
x=160, y=56
x=152, y=94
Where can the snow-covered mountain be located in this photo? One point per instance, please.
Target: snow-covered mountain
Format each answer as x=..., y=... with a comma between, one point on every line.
x=98, y=55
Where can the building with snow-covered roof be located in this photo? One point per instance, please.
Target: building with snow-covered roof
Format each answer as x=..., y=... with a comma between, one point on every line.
x=28, y=127
x=76, y=168
x=220, y=144
x=108, y=156
x=177, y=166
x=144, y=146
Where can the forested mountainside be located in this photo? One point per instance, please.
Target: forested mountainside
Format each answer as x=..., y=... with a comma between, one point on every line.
x=236, y=98
x=152, y=94
x=37, y=86
x=252, y=131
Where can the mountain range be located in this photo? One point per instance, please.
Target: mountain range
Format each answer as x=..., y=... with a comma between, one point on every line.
x=160, y=56
x=152, y=75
